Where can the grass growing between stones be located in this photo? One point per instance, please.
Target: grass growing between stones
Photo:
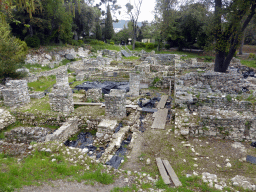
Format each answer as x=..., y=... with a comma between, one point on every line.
x=93, y=111
x=43, y=83
x=40, y=167
x=132, y=58
x=38, y=105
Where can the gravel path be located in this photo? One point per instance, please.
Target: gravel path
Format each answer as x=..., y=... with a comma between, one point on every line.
x=65, y=186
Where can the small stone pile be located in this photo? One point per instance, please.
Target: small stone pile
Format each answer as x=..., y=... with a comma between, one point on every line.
x=16, y=93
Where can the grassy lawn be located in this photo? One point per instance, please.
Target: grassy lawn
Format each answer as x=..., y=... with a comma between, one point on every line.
x=43, y=83
x=105, y=46
x=249, y=63
x=43, y=166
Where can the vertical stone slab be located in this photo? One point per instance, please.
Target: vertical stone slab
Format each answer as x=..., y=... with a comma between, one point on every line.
x=16, y=93
x=134, y=84
x=115, y=104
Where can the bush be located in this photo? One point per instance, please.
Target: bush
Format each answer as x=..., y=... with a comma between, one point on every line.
x=140, y=45
x=150, y=45
x=167, y=46
x=252, y=56
x=33, y=41
x=96, y=42
x=12, y=52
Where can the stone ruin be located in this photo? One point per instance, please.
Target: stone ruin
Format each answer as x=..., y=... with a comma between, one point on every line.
x=61, y=97
x=115, y=104
x=134, y=84
x=94, y=94
x=16, y=93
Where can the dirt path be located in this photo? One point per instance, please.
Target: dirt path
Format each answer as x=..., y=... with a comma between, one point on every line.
x=65, y=186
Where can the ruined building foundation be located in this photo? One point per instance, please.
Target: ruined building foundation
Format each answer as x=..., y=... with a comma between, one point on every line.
x=16, y=93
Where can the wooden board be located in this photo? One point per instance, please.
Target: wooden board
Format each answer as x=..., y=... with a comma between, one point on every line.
x=160, y=119
x=162, y=102
x=172, y=173
x=162, y=171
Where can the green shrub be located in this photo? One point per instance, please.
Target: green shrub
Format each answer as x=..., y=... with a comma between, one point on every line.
x=229, y=98
x=140, y=45
x=96, y=42
x=252, y=56
x=167, y=46
x=150, y=45
x=33, y=41
x=12, y=52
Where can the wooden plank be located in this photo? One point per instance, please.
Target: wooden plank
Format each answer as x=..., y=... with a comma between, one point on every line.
x=160, y=119
x=162, y=171
x=172, y=173
x=162, y=102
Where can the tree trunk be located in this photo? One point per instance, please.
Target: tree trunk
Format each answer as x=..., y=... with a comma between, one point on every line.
x=242, y=44
x=30, y=30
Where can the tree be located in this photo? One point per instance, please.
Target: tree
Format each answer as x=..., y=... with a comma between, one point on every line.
x=230, y=20
x=98, y=32
x=109, y=30
x=134, y=16
x=12, y=52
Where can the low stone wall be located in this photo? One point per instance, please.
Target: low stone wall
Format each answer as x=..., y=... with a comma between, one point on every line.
x=37, y=95
x=16, y=93
x=27, y=134
x=65, y=131
x=224, y=104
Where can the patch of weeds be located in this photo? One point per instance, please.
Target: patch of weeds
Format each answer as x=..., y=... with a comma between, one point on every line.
x=41, y=105
x=132, y=58
x=43, y=83
x=229, y=98
x=125, y=189
x=156, y=79
x=146, y=186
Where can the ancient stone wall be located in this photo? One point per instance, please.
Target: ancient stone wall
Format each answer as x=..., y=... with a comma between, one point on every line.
x=134, y=84
x=94, y=94
x=6, y=118
x=27, y=134
x=37, y=95
x=16, y=93
x=115, y=104
x=65, y=131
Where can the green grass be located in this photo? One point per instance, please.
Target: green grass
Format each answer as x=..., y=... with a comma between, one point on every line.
x=46, y=68
x=132, y=58
x=43, y=83
x=33, y=170
x=105, y=46
x=41, y=105
x=125, y=189
x=249, y=63
x=76, y=83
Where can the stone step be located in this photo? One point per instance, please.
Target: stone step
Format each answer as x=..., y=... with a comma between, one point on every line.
x=162, y=102
x=160, y=119
x=162, y=171
x=172, y=173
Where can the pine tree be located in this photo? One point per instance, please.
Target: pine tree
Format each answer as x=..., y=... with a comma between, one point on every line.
x=109, y=30
x=98, y=32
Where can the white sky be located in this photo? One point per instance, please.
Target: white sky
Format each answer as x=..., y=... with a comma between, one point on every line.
x=147, y=9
